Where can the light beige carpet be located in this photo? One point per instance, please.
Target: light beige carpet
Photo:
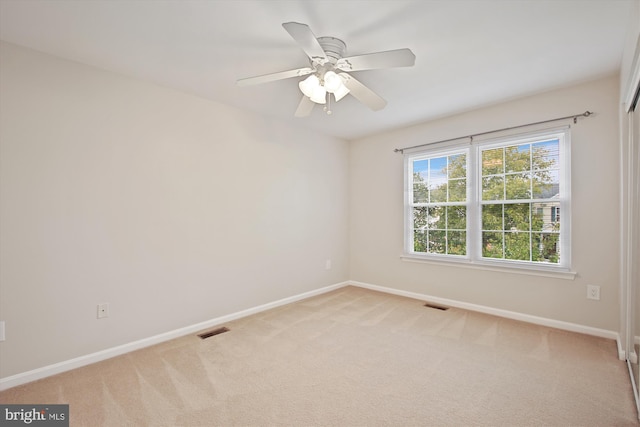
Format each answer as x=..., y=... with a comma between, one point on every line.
x=354, y=357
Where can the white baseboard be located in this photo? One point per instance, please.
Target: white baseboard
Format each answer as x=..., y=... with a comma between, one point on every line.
x=67, y=365
x=622, y=355
x=558, y=324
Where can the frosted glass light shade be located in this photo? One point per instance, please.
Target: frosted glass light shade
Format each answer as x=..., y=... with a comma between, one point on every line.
x=309, y=85
x=319, y=95
x=341, y=92
x=332, y=82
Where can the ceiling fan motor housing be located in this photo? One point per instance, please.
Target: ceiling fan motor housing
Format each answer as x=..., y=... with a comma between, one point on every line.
x=334, y=48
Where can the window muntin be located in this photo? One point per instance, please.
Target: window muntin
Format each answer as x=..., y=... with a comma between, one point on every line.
x=494, y=202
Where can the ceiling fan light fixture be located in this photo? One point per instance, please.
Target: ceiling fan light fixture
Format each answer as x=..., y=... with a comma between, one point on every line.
x=341, y=92
x=319, y=95
x=309, y=85
x=332, y=82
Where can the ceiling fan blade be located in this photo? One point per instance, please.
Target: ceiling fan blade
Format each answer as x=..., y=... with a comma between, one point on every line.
x=302, y=34
x=305, y=107
x=274, y=76
x=363, y=93
x=387, y=59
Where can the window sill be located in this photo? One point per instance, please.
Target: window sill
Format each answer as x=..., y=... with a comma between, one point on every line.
x=516, y=269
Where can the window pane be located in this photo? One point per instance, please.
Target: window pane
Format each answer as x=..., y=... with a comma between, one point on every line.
x=420, y=241
x=546, y=154
x=420, y=218
x=458, y=166
x=439, y=193
x=517, y=158
x=457, y=190
x=517, y=246
x=555, y=217
x=437, y=242
x=492, y=244
x=493, y=188
x=421, y=167
x=492, y=162
x=438, y=218
x=516, y=217
x=438, y=179
x=420, y=175
x=537, y=247
x=551, y=247
x=420, y=192
x=538, y=216
x=492, y=217
x=518, y=186
x=457, y=243
x=546, y=217
x=546, y=184
x=457, y=217
x=544, y=247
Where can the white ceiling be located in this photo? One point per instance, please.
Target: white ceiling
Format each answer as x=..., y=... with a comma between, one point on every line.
x=469, y=53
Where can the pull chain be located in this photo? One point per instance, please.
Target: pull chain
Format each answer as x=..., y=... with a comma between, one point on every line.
x=328, y=109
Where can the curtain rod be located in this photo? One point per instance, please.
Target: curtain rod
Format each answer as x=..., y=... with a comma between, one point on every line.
x=574, y=117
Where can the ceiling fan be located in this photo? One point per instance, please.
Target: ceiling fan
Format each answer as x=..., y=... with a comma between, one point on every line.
x=328, y=69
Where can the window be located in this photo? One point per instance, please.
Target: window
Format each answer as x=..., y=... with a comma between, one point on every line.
x=440, y=204
x=495, y=202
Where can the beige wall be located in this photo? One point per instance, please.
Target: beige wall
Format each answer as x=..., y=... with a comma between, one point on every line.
x=173, y=209
x=376, y=209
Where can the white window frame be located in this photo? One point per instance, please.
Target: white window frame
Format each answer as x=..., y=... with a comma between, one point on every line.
x=473, y=257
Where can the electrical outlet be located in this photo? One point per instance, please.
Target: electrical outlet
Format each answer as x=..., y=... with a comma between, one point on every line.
x=103, y=310
x=327, y=264
x=2, y=336
x=593, y=292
